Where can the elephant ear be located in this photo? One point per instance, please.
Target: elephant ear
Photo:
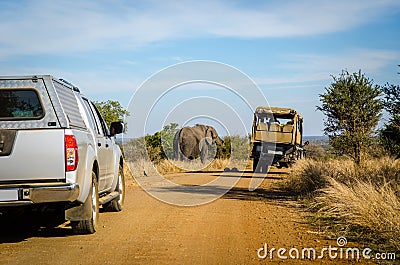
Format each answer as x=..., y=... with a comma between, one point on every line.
x=209, y=136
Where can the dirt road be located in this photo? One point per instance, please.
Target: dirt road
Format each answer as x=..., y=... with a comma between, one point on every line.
x=229, y=230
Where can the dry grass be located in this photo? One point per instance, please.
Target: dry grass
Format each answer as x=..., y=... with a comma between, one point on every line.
x=307, y=176
x=138, y=167
x=363, y=204
x=365, y=198
x=168, y=167
x=127, y=171
x=379, y=171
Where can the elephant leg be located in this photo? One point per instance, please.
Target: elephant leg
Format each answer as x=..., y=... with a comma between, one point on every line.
x=203, y=153
x=179, y=155
x=176, y=153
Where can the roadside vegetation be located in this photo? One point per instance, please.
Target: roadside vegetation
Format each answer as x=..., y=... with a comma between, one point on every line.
x=346, y=199
x=111, y=111
x=155, y=152
x=353, y=188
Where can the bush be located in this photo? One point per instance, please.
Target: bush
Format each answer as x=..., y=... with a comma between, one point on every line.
x=308, y=176
x=160, y=146
x=315, y=151
x=305, y=177
x=363, y=197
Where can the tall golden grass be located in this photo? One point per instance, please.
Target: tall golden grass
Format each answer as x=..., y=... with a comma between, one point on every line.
x=366, y=196
x=363, y=204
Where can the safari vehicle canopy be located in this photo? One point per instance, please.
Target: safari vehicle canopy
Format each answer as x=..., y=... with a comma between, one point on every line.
x=277, y=125
x=276, y=137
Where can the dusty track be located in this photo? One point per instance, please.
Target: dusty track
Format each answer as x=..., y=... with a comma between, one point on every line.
x=229, y=230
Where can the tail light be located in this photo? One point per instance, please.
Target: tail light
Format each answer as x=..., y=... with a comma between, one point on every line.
x=71, y=151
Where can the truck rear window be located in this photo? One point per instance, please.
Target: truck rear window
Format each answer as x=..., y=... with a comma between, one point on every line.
x=20, y=105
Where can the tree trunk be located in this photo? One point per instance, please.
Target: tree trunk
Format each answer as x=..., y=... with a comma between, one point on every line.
x=357, y=153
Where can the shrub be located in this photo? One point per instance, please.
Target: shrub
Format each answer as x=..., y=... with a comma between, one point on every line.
x=305, y=177
x=363, y=197
x=315, y=151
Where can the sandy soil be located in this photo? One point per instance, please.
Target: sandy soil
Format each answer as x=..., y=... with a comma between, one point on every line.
x=229, y=230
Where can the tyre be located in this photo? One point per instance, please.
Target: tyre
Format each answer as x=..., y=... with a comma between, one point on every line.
x=89, y=226
x=255, y=163
x=117, y=204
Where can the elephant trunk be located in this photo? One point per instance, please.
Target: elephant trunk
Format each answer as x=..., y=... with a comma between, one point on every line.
x=176, y=145
x=219, y=141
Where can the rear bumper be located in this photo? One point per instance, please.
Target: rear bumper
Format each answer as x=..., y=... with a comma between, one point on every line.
x=17, y=195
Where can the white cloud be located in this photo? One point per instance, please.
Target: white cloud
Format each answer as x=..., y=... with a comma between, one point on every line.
x=292, y=79
x=48, y=26
x=368, y=60
x=320, y=67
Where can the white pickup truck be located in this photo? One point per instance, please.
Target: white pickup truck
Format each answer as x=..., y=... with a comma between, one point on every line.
x=56, y=151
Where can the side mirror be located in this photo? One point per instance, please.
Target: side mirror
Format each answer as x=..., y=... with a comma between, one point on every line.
x=306, y=143
x=116, y=128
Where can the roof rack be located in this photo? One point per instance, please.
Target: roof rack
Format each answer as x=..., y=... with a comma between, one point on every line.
x=74, y=88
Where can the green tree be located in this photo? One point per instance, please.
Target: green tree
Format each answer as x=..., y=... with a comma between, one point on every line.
x=111, y=111
x=352, y=108
x=224, y=150
x=160, y=145
x=390, y=134
x=154, y=147
x=167, y=138
x=235, y=147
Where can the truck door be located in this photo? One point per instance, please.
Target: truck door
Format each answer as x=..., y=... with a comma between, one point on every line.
x=105, y=153
x=108, y=150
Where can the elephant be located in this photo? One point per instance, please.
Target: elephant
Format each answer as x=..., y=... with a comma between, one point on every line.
x=192, y=142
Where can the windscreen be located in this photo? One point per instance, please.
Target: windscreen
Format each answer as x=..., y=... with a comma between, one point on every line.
x=21, y=104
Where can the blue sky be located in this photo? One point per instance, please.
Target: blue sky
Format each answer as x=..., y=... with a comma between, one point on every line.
x=289, y=48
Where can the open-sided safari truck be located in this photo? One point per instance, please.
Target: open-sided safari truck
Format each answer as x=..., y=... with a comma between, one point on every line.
x=276, y=137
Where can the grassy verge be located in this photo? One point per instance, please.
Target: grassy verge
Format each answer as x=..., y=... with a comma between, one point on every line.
x=360, y=202
x=165, y=166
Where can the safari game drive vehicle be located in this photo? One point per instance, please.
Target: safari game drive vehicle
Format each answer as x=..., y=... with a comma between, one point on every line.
x=56, y=152
x=276, y=137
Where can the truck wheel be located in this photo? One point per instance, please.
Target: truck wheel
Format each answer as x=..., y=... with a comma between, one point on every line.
x=89, y=226
x=255, y=163
x=117, y=204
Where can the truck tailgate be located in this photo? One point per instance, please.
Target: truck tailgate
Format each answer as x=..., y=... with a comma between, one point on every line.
x=35, y=155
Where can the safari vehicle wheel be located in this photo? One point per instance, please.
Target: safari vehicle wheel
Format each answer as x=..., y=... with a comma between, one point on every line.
x=89, y=226
x=260, y=166
x=117, y=204
x=255, y=163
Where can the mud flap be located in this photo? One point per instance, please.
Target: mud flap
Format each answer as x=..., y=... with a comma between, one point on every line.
x=80, y=212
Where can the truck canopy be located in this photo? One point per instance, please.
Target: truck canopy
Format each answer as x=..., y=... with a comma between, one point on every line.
x=38, y=102
x=285, y=113
x=34, y=111
x=277, y=125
